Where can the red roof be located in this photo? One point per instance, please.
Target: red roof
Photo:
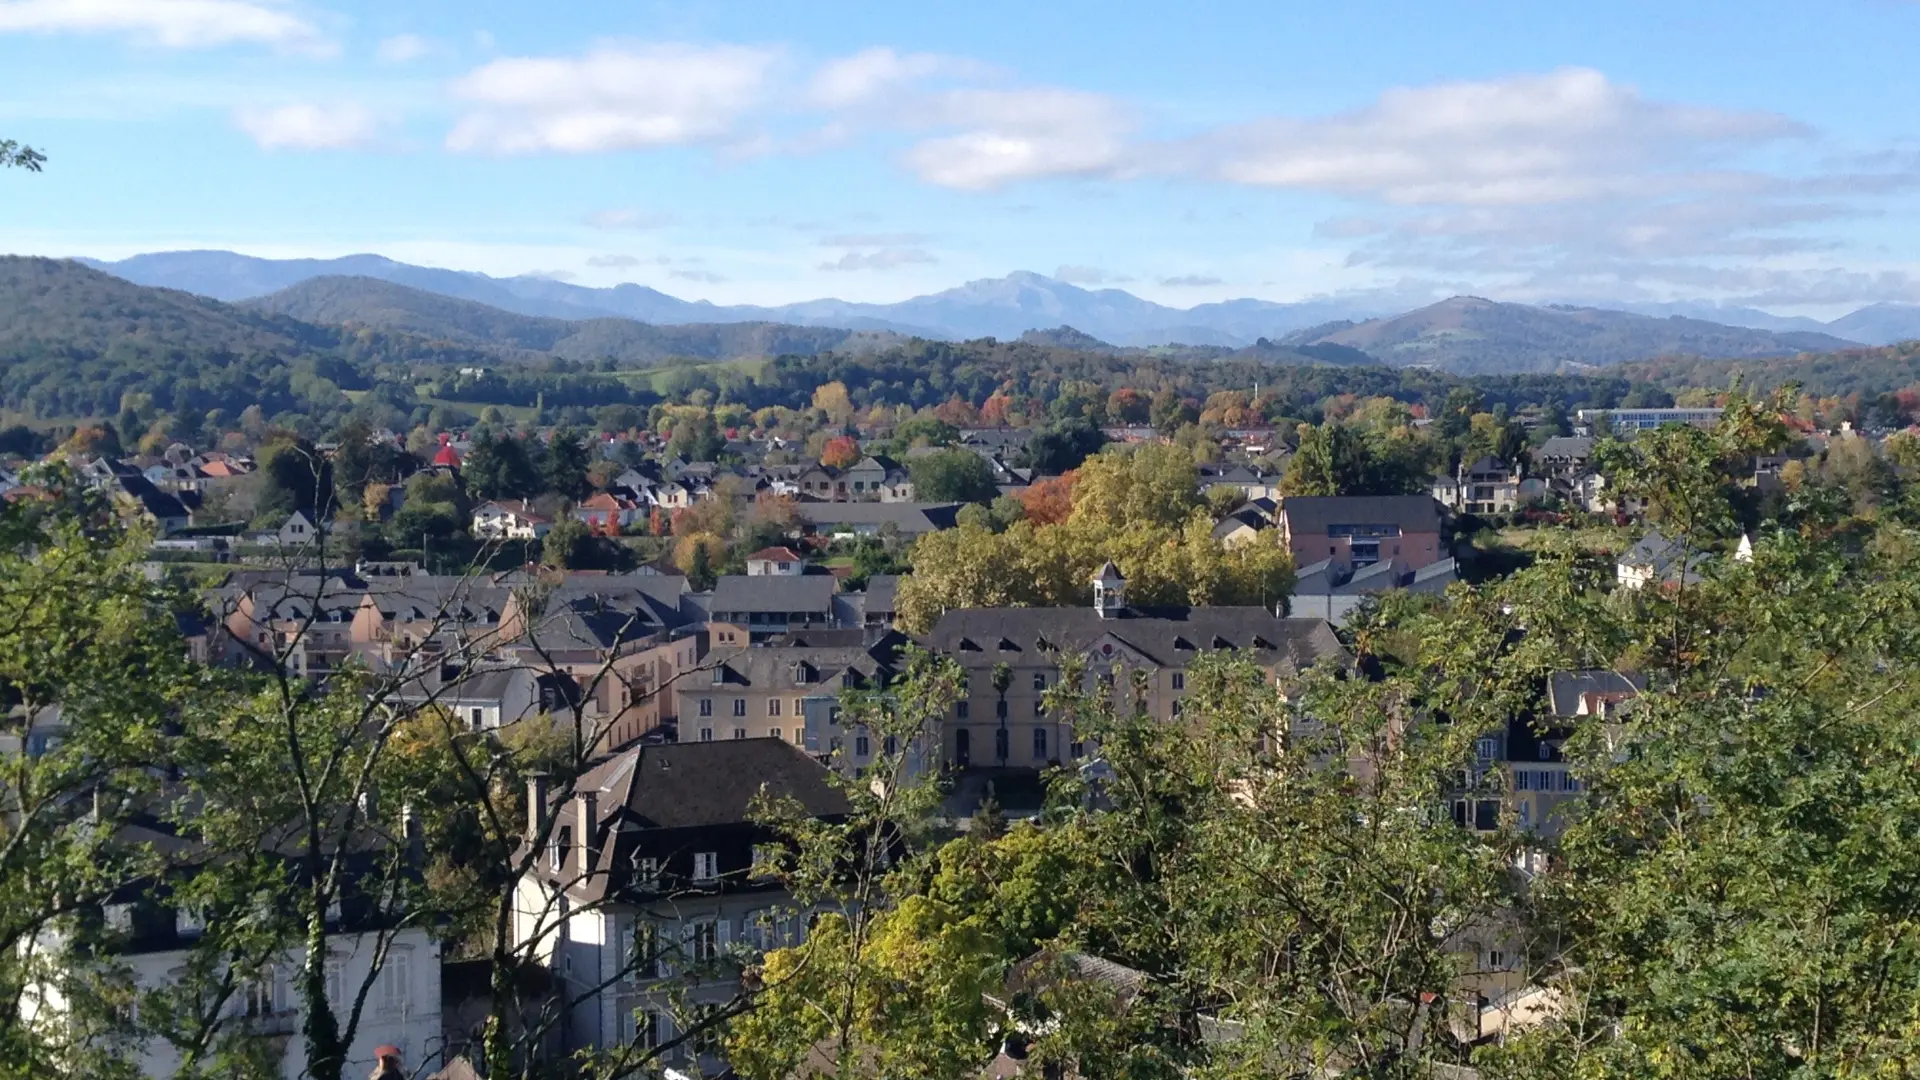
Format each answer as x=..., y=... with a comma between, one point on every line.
x=774, y=554
x=448, y=457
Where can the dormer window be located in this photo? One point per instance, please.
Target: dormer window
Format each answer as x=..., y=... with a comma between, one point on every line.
x=706, y=867
x=646, y=872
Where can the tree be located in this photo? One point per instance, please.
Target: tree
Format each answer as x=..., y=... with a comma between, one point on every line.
x=298, y=477
x=1062, y=447
x=840, y=452
x=561, y=548
x=15, y=156
x=1332, y=460
x=697, y=438
x=952, y=476
x=499, y=468
x=563, y=466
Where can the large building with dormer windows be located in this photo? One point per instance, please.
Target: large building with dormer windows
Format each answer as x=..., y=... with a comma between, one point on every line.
x=1012, y=656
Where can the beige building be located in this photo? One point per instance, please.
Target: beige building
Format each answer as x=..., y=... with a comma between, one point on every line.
x=1013, y=656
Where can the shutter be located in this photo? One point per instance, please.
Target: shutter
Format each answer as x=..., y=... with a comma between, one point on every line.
x=723, y=933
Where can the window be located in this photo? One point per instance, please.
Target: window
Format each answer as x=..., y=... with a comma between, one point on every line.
x=646, y=949
x=1039, y=709
x=706, y=734
x=336, y=992
x=1039, y=744
x=1546, y=751
x=773, y=706
x=775, y=732
x=1487, y=749
x=861, y=748
x=706, y=867
x=706, y=706
x=1039, y=680
x=396, y=981
x=1076, y=749
x=739, y=706
x=766, y=861
x=1522, y=780
x=1179, y=680
x=646, y=872
x=799, y=707
x=477, y=717
x=703, y=941
x=890, y=745
x=960, y=710
x=264, y=995
x=799, y=736
x=739, y=733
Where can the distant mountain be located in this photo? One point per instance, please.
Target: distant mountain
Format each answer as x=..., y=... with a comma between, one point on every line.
x=1751, y=318
x=364, y=301
x=1471, y=335
x=1880, y=324
x=991, y=307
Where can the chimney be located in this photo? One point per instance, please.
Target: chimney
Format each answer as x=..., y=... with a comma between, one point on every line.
x=536, y=805
x=586, y=807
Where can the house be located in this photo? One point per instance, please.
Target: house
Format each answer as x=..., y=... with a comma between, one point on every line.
x=647, y=902
x=136, y=497
x=878, y=604
x=508, y=520
x=1013, y=655
x=1251, y=482
x=1243, y=526
x=1656, y=559
x=1488, y=486
x=1356, y=530
x=776, y=562
x=747, y=608
x=1329, y=590
x=606, y=513
x=866, y=477
x=446, y=458
x=1539, y=778
x=298, y=530
x=847, y=520
x=1564, y=457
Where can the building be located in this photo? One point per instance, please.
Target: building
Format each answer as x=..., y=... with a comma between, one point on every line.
x=154, y=941
x=1489, y=486
x=1012, y=656
x=850, y=520
x=1654, y=558
x=776, y=562
x=646, y=901
x=1564, y=457
x=745, y=608
x=1627, y=421
x=508, y=520
x=1357, y=530
x=1330, y=591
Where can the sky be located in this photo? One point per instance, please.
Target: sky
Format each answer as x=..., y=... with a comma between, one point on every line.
x=1756, y=154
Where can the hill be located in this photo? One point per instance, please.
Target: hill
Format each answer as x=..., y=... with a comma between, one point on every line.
x=1064, y=337
x=61, y=303
x=364, y=301
x=1471, y=335
x=1880, y=324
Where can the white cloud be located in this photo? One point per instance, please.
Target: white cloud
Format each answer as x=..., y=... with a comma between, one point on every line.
x=629, y=219
x=401, y=48
x=705, y=277
x=1563, y=136
x=871, y=74
x=897, y=239
x=883, y=259
x=1191, y=281
x=174, y=24
x=615, y=97
x=309, y=127
x=612, y=262
x=1089, y=275
x=1005, y=136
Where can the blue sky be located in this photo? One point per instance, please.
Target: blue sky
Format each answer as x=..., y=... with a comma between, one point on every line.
x=1760, y=154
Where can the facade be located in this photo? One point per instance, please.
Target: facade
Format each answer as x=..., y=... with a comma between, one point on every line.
x=757, y=607
x=1012, y=656
x=646, y=902
x=1362, y=529
x=1627, y=421
x=502, y=520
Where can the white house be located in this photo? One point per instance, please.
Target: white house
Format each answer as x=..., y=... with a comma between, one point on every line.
x=502, y=520
x=775, y=562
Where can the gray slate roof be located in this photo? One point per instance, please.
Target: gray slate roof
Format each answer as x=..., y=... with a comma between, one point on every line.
x=1169, y=636
x=911, y=519
x=696, y=784
x=736, y=593
x=1312, y=515
x=1566, y=688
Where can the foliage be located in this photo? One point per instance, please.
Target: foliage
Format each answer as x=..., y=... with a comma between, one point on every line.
x=952, y=476
x=15, y=156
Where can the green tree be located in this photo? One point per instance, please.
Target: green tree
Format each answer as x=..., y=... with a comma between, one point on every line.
x=500, y=468
x=697, y=438
x=952, y=476
x=562, y=547
x=563, y=467
x=297, y=477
